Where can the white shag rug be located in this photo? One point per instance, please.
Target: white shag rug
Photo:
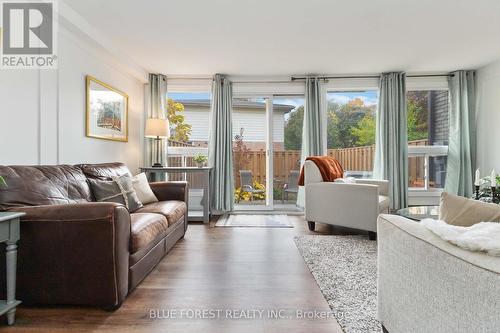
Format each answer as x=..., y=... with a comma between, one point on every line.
x=345, y=268
x=481, y=237
x=259, y=221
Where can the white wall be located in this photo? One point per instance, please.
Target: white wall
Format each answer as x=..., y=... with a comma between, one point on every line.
x=43, y=111
x=488, y=118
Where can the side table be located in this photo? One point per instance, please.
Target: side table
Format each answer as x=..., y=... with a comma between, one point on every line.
x=9, y=233
x=418, y=213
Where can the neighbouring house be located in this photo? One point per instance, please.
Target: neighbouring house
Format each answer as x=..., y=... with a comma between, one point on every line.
x=247, y=115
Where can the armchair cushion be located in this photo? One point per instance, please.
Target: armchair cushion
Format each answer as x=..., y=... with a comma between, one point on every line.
x=173, y=210
x=383, y=203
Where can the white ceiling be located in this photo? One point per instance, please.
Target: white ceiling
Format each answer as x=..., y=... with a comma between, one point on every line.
x=273, y=37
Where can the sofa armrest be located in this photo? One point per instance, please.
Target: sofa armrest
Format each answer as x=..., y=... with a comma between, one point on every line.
x=74, y=254
x=171, y=190
x=422, y=278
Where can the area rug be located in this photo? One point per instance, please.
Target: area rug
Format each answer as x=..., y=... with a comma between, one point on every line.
x=345, y=268
x=259, y=221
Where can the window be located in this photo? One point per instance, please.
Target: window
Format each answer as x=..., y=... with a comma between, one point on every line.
x=427, y=138
x=189, y=113
x=351, y=124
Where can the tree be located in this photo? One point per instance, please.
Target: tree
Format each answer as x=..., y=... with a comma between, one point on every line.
x=293, y=129
x=365, y=131
x=180, y=131
x=241, y=154
x=343, y=119
x=417, y=113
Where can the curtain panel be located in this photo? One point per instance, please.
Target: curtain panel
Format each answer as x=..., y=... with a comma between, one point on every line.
x=462, y=140
x=314, y=125
x=391, y=148
x=313, y=143
x=220, y=152
x=157, y=108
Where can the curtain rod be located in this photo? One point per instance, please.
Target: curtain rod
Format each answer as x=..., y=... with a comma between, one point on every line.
x=297, y=78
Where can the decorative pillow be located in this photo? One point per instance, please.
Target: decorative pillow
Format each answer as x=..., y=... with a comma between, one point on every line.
x=465, y=212
x=118, y=190
x=142, y=189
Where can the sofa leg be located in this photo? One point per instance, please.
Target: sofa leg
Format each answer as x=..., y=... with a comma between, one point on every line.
x=384, y=329
x=112, y=308
x=311, y=225
x=372, y=235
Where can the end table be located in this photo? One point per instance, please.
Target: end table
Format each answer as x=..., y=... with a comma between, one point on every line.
x=9, y=234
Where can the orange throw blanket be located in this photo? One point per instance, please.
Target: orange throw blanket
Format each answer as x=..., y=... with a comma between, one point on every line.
x=329, y=168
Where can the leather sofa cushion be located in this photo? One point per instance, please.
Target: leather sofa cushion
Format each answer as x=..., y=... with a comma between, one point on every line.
x=104, y=171
x=383, y=203
x=145, y=228
x=43, y=185
x=173, y=210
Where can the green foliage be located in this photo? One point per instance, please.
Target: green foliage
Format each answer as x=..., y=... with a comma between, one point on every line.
x=180, y=130
x=200, y=158
x=351, y=124
x=245, y=196
x=365, y=131
x=417, y=115
x=354, y=124
x=277, y=193
x=293, y=129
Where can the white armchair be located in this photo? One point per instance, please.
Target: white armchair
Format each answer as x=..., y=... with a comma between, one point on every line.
x=354, y=205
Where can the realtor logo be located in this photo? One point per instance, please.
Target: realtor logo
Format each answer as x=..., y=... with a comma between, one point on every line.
x=28, y=34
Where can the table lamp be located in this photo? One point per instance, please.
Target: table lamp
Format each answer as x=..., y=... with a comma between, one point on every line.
x=157, y=129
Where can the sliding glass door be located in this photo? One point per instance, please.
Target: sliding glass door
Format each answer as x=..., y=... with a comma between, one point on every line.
x=267, y=135
x=251, y=159
x=288, y=115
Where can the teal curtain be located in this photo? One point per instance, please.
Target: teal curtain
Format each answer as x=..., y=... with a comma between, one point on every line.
x=391, y=147
x=312, y=132
x=157, y=108
x=221, y=146
x=314, y=124
x=462, y=140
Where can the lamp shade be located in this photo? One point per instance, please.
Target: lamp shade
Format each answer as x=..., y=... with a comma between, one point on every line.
x=157, y=128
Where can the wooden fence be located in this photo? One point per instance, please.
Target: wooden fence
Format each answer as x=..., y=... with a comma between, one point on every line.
x=351, y=159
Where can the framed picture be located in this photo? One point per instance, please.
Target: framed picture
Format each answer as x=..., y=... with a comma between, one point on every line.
x=107, y=111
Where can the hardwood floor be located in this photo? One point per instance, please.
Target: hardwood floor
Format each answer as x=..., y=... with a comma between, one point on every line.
x=211, y=268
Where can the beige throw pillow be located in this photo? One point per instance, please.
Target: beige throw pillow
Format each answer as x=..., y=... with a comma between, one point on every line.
x=142, y=189
x=465, y=212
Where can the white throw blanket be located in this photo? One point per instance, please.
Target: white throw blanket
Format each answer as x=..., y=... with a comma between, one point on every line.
x=484, y=236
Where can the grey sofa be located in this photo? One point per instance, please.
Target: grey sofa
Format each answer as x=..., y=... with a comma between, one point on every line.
x=426, y=284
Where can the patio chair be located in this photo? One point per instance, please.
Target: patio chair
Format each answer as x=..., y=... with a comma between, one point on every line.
x=246, y=179
x=292, y=186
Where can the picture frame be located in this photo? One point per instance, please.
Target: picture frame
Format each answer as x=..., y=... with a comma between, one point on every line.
x=106, y=111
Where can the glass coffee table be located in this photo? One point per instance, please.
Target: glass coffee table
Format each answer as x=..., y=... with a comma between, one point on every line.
x=418, y=213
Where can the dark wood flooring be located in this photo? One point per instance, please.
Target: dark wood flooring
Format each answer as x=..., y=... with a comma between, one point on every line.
x=211, y=268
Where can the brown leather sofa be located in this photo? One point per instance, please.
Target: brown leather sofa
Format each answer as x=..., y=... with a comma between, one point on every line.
x=74, y=250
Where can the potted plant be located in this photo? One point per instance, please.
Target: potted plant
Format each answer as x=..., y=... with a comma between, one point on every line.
x=200, y=160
